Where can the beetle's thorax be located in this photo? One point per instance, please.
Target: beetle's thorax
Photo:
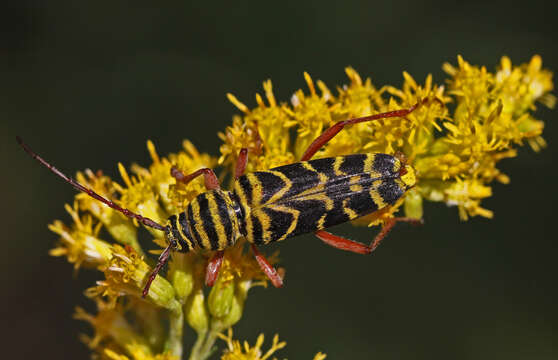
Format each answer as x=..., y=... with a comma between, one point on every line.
x=212, y=221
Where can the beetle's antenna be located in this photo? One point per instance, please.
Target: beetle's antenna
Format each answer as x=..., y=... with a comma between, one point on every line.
x=145, y=221
x=163, y=258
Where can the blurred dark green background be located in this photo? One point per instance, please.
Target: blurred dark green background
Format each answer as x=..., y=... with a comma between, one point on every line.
x=87, y=83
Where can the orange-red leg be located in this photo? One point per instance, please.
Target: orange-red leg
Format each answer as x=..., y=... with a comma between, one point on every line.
x=210, y=179
x=266, y=267
x=356, y=247
x=213, y=267
x=241, y=162
x=335, y=129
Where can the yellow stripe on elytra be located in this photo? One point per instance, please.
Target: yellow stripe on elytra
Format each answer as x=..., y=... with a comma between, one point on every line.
x=232, y=215
x=256, y=187
x=354, y=180
x=369, y=166
x=295, y=213
x=317, y=191
x=323, y=177
x=255, y=202
x=356, y=188
x=279, y=194
x=217, y=221
x=321, y=222
x=350, y=212
x=244, y=204
x=337, y=166
x=368, y=163
x=265, y=222
x=198, y=221
x=376, y=197
x=319, y=196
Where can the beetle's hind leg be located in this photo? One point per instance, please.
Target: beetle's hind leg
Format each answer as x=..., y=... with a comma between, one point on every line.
x=359, y=248
x=330, y=133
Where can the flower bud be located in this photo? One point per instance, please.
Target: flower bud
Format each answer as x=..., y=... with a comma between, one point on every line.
x=196, y=312
x=181, y=276
x=413, y=204
x=237, y=305
x=221, y=298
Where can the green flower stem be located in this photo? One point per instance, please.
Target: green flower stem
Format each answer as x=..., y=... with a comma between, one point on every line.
x=206, y=349
x=194, y=355
x=176, y=329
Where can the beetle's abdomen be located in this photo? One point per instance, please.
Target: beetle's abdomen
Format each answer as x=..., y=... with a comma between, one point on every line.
x=307, y=196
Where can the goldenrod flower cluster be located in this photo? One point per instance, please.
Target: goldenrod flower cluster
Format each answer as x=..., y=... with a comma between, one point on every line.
x=454, y=152
x=454, y=140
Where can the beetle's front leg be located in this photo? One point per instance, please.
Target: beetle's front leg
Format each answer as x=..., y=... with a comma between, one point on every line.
x=210, y=179
x=241, y=163
x=213, y=267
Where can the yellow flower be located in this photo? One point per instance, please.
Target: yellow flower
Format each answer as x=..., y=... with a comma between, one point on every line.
x=80, y=244
x=111, y=324
x=236, y=351
x=119, y=226
x=139, y=356
x=310, y=113
x=263, y=130
x=126, y=274
x=175, y=196
x=454, y=153
x=140, y=197
x=240, y=265
x=243, y=351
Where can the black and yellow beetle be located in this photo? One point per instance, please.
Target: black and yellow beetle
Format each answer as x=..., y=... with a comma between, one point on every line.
x=268, y=206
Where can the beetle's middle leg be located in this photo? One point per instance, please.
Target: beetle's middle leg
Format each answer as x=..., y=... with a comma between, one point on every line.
x=267, y=268
x=356, y=247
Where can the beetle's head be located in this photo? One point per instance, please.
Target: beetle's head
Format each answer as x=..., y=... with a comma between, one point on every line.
x=406, y=172
x=408, y=176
